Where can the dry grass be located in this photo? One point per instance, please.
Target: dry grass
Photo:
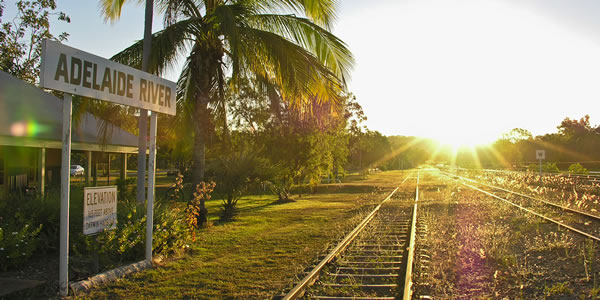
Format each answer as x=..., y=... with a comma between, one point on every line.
x=483, y=248
x=257, y=255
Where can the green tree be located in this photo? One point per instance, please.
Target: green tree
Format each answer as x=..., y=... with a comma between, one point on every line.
x=294, y=58
x=21, y=38
x=111, y=9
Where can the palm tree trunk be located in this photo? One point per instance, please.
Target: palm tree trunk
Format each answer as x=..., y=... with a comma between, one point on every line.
x=200, y=132
x=199, y=160
x=143, y=121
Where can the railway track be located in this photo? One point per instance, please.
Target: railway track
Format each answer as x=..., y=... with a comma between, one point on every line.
x=374, y=261
x=580, y=222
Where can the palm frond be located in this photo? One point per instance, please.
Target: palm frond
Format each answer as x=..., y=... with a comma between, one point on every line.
x=298, y=73
x=167, y=46
x=331, y=51
x=322, y=12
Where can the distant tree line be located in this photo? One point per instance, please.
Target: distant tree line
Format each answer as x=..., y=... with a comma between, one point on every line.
x=576, y=141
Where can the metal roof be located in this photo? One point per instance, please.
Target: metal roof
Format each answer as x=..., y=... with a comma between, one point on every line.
x=31, y=117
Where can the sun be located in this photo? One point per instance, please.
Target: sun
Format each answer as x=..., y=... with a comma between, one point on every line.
x=462, y=139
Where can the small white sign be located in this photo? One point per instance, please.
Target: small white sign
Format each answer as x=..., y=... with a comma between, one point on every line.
x=540, y=154
x=77, y=72
x=99, y=209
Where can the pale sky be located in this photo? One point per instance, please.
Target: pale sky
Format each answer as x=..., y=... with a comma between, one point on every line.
x=456, y=70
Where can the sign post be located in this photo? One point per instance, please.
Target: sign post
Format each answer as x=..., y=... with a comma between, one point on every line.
x=540, y=155
x=73, y=71
x=63, y=269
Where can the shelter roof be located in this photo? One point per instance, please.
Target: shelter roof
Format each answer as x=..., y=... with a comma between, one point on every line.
x=31, y=117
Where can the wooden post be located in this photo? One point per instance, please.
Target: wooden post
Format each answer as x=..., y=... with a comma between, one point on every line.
x=151, y=181
x=95, y=163
x=108, y=171
x=42, y=172
x=88, y=167
x=123, y=166
x=5, y=170
x=63, y=266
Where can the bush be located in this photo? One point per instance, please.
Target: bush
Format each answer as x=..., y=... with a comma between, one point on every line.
x=171, y=233
x=533, y=168
x=578, y=169
x=235, y=174
x=550, y=168
x=18, y=242
x=126, y=243
x=196, y=214
x=31, y=225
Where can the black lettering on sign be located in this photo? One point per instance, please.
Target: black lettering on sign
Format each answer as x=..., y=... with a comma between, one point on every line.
x=167, y=96
x=61, y=69
x=75, y=66
x=95, y=85
x=154, y=91
x=114, y=78
x=106, y=81
x=87, y=74
x=121, y=84
x=129, y=86
x=161, y=95
x=143, y=84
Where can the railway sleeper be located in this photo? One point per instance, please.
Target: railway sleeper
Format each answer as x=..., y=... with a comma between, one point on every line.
x=353, y=290
x=380, y=246
x=368, y=270
x=352, y=298
x=370, y=264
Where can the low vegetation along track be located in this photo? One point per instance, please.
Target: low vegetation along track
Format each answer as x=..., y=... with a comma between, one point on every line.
x=580, y=222
x=374, y=261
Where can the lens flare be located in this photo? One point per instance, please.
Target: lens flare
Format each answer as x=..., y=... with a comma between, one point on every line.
x=26, y=128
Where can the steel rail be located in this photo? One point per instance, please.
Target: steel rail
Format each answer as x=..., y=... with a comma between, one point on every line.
x=536, y=214
x=530, y=197
x=411, y=249
x=298, y=290
x=593, y=177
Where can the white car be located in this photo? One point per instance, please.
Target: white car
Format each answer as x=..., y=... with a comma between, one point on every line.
x=77, y=170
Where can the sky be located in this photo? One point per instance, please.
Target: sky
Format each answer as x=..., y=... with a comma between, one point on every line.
x=460, y=71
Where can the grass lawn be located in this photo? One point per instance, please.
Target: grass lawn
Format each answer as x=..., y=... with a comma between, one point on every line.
x=257, y=255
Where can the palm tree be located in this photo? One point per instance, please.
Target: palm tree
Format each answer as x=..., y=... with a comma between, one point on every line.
x=111, y=10
x=292, y=58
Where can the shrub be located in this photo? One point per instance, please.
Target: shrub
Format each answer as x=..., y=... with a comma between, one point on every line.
x=18, y=242
x=126, y=243
x=176, y=191
x=533, y=168
x=578, y=169
x=235, y=174
x=550, y=168
x=171, y=233
x=196, y=212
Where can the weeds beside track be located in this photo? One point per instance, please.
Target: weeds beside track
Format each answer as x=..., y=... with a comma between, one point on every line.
x=576, y=221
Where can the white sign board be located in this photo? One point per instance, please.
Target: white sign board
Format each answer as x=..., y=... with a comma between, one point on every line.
x=540, y=154
x=77, y=72
x=99, y=209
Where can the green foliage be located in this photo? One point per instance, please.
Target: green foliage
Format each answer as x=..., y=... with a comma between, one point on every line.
x=550, y=168
x=578, y=169
x=235, y=173
x=18, y=242
x=292, y=58
x=561, y=288
x=21, y=38
x=533, y=168
x=176, y=191
x=125, y=188
x=196, y=212
x=171, y=233
x=30, y=226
